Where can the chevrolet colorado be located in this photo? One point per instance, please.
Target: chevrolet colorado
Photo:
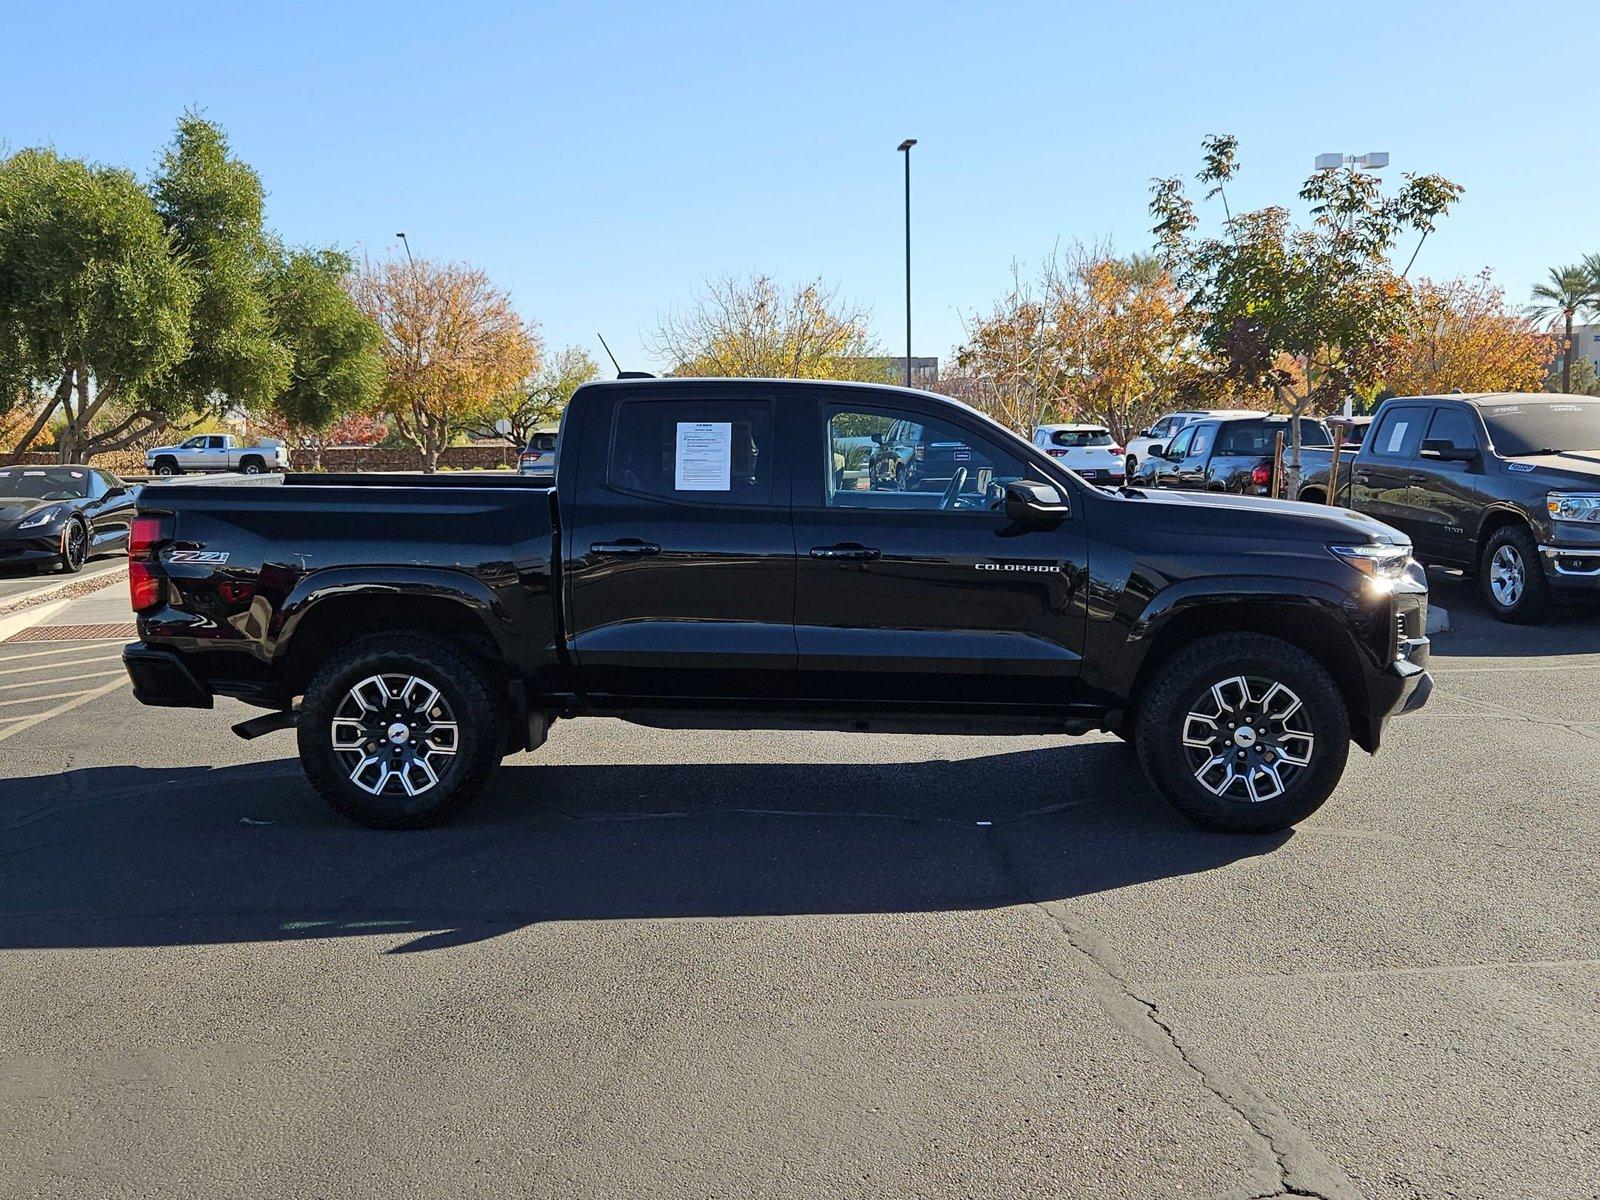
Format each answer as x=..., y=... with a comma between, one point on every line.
x=708, y=558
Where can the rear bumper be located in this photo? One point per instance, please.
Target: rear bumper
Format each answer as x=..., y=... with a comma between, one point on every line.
x=161, y=679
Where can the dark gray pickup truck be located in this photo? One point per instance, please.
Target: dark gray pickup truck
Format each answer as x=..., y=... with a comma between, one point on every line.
x=1505, y=486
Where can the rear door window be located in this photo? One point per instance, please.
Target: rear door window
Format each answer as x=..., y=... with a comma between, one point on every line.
x=1201, y=445
x=694, y=451
x=1398, y=434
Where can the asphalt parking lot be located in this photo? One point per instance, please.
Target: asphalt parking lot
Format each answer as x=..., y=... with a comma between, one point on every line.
x=701, y=964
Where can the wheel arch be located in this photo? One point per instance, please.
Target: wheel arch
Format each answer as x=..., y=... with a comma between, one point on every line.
x=1316, y=627
x=1496, y=518
x=329, y=611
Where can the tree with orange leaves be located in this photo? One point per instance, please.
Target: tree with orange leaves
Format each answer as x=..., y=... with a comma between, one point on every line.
x=1461, y=334
x=452, y=342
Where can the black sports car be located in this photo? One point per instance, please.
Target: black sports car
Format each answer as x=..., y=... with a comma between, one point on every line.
x=62, y=515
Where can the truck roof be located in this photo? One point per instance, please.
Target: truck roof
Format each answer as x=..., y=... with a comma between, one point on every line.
x=1479, y=399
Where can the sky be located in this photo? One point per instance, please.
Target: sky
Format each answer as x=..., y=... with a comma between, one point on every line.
x=601, y=160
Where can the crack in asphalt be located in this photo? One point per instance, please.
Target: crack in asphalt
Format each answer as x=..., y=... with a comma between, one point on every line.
x=1302, y=1169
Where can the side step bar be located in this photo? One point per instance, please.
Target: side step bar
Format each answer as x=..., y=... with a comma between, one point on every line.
x=269, y=723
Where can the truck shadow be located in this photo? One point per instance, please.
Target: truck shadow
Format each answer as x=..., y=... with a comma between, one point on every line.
x=1570, y=628
x=132, y=856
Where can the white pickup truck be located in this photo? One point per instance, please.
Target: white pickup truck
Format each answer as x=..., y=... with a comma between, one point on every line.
x=216, y=452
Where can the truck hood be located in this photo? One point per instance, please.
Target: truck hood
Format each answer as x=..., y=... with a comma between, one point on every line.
x=1256, y=516
x=1569, y=469
x=154, y=450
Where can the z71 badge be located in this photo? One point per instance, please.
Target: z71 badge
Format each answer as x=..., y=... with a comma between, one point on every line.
x=211, y=558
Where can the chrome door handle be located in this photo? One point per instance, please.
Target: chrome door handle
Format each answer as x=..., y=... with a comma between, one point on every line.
x=862, y=553
x=1417, y=479
x=627, y=548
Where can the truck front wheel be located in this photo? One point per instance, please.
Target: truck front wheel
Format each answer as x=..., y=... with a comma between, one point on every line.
x=1243, y=732
x=399, y=731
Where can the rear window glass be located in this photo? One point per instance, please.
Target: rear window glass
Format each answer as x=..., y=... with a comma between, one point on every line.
x=706, y=451
x=1080, y=437
x=542, y=442
x=1398, y=434
x=1261, y=437
x=1518, y=430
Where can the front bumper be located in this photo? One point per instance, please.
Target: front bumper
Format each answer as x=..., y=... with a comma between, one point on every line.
x=162, y=680
x=30, y=545
x=1572, y=567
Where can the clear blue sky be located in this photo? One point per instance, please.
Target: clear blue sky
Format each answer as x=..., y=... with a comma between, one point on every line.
x=600, y=159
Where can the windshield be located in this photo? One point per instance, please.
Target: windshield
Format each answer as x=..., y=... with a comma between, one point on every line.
x=1081, y=437
x=44, y=483
x=1518, y=430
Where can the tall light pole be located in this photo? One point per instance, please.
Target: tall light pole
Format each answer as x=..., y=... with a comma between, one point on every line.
x=404, y=241
x=905, y=148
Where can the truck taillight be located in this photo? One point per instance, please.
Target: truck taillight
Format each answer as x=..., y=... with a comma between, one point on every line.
x=145, y=533
x=1261, y=476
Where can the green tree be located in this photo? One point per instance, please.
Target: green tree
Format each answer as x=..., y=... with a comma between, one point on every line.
x=211, y=203
x=537, y=403
x=94, y=308
x=1567, y=292
x=1307, y=311
x=336, y=366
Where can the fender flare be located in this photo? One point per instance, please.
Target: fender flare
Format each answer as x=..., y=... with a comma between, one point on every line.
x=439, y=583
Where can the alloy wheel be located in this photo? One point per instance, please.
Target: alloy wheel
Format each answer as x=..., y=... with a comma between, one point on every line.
x=74, y=545
x=394, y=734
x=1508, y=576
x=1248, y=739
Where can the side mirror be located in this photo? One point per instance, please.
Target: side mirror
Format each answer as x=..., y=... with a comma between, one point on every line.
x=1156, y=451
x=115, y=493
x=879, y=439
x=1031, y=503
x=1442, y=451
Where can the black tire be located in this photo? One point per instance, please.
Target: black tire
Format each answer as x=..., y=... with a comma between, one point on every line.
x=468, y=696
x=1317, y=730
x=1129, y=466
x=252, y=465
x=74, y=545
x=1509, y=554
x=167, y=466
x=1313, y=496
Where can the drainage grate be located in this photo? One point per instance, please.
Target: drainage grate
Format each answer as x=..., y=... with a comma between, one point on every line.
x=75, y=633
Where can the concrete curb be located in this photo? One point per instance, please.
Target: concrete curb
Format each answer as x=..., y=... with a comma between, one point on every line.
x=67, y=588
x=17, y=622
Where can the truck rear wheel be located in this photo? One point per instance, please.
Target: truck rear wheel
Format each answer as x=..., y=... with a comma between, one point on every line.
x=1244, y=733
x=399, y=731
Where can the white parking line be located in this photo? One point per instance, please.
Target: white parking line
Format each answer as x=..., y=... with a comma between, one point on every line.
x=82, y=698
x=52, y=666
x=47, y=696
x=11, y=687
x=42, y=653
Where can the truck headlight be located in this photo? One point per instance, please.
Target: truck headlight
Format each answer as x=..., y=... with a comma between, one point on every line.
x=1381, y=560
x=1574, y=506
x=43, y=517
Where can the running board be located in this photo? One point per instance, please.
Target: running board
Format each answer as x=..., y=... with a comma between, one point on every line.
x=270, y=723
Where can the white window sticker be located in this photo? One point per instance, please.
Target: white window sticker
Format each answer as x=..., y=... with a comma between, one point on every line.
x=705, y=457
x=1398, y=436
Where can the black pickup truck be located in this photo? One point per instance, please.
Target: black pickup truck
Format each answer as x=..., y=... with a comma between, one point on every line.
x=703, y=561
x=1236, y=454
x=1503, y=485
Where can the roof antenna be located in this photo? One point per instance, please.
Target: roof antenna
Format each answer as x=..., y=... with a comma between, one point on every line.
x=610, y=355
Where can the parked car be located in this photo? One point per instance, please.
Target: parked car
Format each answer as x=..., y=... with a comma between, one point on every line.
x=539, y=456
x=912, y=457
x=1090, y=450
x=699, y=565
x=1234, y=454
x=1351, y=430
x=1505, y=485
x=1155, y=439
x=62, y=516
x=216, y=452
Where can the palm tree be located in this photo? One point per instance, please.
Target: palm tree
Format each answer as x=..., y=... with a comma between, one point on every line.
x=1570, y=290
